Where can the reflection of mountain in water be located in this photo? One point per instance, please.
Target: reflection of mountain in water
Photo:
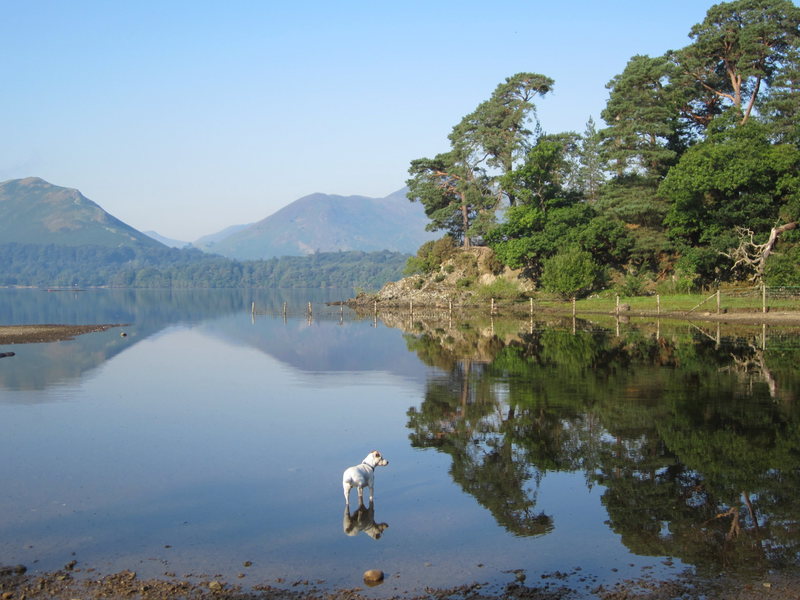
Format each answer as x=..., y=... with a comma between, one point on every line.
x=322, y=345
x=38, y=366
x=694, y=439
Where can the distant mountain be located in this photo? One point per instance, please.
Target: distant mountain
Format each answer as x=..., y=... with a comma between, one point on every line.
x=165, y=240
x=33, y=211
x=207, y=242
x=329, y=223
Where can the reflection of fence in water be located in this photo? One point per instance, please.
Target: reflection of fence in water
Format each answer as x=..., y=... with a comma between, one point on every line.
x=309, y=310
x=417, y=318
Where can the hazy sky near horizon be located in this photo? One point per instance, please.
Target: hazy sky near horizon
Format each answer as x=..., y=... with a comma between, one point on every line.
x=187, y=117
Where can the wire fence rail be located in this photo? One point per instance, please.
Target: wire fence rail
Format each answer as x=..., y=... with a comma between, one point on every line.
x=762, y=297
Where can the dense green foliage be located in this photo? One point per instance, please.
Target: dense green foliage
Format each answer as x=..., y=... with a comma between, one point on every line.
x=456, y=187
x=161, y=267
x=430, y=256
x=695, y=173
x=571, y=273
x=735, y=177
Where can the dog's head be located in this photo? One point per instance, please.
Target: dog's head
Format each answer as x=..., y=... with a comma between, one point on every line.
x=376, y=459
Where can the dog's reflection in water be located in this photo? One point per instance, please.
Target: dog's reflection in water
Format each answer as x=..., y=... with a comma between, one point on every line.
x=363, y=519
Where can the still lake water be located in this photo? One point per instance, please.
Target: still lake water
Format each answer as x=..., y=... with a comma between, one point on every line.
x=207, y=438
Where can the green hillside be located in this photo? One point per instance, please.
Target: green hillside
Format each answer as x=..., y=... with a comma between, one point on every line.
x=33, y=211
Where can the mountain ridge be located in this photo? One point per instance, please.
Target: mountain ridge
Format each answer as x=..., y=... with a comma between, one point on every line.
x=328, y=223
x=33, y=210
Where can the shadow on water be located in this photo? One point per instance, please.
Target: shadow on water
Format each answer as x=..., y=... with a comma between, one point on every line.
x=693, y=438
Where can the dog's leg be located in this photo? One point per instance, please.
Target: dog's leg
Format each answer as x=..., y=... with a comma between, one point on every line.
x=361, y=495
x=346, y=487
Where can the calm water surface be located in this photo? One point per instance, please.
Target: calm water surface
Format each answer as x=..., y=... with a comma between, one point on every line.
x=207, y=437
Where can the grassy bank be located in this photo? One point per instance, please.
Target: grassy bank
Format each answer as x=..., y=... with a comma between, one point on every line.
x=704, y=302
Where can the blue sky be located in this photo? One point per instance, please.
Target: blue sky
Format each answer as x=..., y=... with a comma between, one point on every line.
x=188, y=117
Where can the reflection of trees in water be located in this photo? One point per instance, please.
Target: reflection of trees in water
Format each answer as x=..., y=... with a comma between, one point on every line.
x=699, y=458
x=462, y=416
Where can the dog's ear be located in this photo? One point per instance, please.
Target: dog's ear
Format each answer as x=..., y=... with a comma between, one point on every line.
x=376, y=453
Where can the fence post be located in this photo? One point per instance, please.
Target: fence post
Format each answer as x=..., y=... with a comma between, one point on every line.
x=658, y=304
x=573, y=306
x=718, y=301
x=763, y=297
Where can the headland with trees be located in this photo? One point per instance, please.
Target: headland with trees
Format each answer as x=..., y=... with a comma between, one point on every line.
x=694, y=181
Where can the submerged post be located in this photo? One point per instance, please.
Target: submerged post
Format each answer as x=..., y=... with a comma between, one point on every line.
x=253, y=308
x=284, y=310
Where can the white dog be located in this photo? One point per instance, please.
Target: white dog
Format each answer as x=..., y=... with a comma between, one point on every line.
x=361, y=476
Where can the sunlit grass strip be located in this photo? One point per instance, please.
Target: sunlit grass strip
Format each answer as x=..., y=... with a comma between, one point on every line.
x=678, y=302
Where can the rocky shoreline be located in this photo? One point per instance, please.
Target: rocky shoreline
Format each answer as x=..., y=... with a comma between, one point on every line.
x=456, y=286
x=71, y=582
